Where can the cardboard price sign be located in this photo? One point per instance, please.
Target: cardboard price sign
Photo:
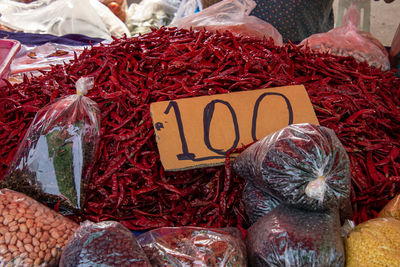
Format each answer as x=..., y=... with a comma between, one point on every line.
x=198, y=132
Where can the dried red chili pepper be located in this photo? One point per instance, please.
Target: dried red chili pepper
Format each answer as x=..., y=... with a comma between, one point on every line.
x=361, y=104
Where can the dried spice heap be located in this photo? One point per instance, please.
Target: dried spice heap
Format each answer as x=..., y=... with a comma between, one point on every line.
x=361, y=104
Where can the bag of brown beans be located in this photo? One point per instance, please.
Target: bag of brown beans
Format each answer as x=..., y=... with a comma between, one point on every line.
x=31, y=234
x=103, y=244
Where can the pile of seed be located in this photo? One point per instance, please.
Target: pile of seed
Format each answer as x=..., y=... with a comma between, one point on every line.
x=31, y=234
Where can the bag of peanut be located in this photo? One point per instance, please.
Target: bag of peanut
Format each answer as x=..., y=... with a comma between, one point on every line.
x=31, y=234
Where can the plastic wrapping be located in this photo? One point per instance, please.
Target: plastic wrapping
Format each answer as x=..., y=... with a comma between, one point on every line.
x=232, y=15
x=118, y=7
x=103, y=244
x=42, y=57
x=87, y=17
x=193, y=246
x=257, y=203
x=303, y=165
x=30, y=233
x=374, y=243
x=391, y=209
x=347, y=40
x=149, y=14
x=8, y=50
x=53, y=162
x=394, y=53
x=293, y=237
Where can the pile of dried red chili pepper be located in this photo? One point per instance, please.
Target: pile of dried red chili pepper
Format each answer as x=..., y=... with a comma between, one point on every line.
x=360, y=103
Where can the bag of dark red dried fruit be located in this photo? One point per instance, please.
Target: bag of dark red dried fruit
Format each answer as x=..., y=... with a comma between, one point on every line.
x=287, y=236
x=194, y=246
x=103, y=244
x=53, y=162
x=302, y=165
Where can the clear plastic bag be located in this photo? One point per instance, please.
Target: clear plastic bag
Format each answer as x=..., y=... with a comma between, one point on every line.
x=374, y=243
x=232, y=15
x=257, y=203
x=149, y=14
x=103, y=244
x=193, y=246
x=303, y=165
x=31, y=234
x=87, y=17
x=53, y=163
x=347, y=40
x=293, y=237
x=391, y=209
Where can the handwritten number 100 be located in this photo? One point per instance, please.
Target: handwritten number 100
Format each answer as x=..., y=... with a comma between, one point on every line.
x=207, y=118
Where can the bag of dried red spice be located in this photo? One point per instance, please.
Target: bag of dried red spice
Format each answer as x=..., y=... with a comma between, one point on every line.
x=288, y=236
x=193, y=246
x=303, y=165
x=53, y=162
x=347, y=40
x=103, y=244
x=256, y=202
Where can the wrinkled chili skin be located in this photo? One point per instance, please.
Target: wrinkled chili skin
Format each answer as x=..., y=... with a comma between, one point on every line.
x=129, y=183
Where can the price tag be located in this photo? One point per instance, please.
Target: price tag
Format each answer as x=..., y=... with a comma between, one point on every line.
x=199, y=131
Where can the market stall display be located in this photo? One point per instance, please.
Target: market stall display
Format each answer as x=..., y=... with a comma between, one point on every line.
x=287, y=236
x=30, y=232
x=374, y=243
x=347, y=40
x=54, y=160
x=193, y=246
x=103, y=244
x=303, y=165
x=358, y=102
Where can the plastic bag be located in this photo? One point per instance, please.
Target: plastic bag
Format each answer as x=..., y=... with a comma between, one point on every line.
x=374, y=243
x=188, y=7
x=31, y=234
x=394, y=53
x=53, y=162
x=391, y=209
x=257, y=203
x=232, y=15
x=293, y=237
x=348, y=41
x=303, y=165
x=118, y=7
x=149, y=14
x=87, y=17
x=103, y=244
x=42, y=57
x=193, y=246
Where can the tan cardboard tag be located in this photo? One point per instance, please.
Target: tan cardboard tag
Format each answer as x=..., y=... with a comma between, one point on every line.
x=199, y=131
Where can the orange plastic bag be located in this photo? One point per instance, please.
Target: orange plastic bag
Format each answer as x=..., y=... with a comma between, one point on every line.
x=347, y=40
x=392, y=209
